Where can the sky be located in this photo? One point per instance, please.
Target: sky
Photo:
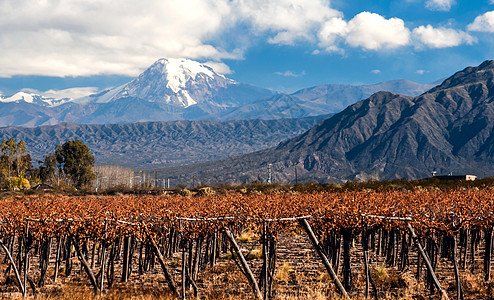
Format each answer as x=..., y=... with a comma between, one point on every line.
x=284, y=45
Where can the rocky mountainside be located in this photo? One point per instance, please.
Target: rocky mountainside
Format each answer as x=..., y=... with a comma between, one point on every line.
x=182, y=89
x=158, y=144
x=447, y=129
x=323, y=99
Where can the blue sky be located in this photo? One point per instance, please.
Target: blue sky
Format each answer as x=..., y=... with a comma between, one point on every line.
x=280, y=44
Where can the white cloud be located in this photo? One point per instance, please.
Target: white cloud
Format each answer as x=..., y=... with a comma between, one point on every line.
x=288, y=20
x=439, y=5
x=72, y=93
x=72, y=37
x=219, y=67
x=372, y=31
x=441, y=37
x=83, y=38
x=376, y=71
x=330, y=32
x=290, y=74
x=420, y=72
x=366, y=30
x=483, y=22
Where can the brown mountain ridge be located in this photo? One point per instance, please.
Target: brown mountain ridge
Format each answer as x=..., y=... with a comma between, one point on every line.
x=448, y=129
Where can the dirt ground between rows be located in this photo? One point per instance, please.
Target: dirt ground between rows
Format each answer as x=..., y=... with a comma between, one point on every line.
x=299, y=275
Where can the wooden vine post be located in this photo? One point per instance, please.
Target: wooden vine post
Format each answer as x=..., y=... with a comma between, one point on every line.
x=488, y=252
x=26, y=258
x=248, y=273
x=265, y=256
x=459, y=287
x=368, y=278
x=168, y=275
x=103, y=245
x=306, y=226
x=125, y=264
x=22, y=287
x=184, y=270
x=83, y=261
x=427, y=261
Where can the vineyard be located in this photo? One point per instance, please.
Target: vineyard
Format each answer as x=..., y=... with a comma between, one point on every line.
x=437, y=235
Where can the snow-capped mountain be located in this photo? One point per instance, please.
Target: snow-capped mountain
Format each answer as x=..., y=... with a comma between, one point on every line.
x=177, y=82
x=34, y=99
x=49, y=98
x=171, y=89
x=181, y=89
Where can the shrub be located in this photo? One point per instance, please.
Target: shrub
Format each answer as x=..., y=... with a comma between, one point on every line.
x=206, y=191
x=184, y=192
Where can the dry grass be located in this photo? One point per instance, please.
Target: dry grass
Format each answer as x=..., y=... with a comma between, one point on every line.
x=284, y=272
x=475, y=285
x=247, y=236
x=254, y=254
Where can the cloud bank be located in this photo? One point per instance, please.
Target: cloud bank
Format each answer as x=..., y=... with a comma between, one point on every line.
x=83, y=38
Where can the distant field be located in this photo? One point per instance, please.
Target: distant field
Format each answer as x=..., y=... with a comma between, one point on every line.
x=398, y=244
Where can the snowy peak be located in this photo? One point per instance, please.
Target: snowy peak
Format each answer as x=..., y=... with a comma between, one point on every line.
x=179, y=82
x=33, y=98
x=20, y=96
x=50, y=98
x=180, y=71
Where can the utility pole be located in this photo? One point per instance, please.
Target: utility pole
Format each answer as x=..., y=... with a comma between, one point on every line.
x=97, y=177
x=99, y=180
x=269, y=173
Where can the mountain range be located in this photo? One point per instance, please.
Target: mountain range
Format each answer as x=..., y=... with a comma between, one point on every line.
x=182, y=89
x=448, y=129
x=148, y=145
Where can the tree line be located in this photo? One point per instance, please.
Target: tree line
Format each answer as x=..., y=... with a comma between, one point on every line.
x=69, y=166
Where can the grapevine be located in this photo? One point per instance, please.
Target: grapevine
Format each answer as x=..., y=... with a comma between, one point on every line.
x=158, y=226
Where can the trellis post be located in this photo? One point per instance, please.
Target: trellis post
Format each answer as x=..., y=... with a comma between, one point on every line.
x=308, y=229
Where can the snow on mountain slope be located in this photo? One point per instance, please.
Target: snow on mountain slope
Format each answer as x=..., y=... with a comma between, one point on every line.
x=170, y=89
x=50, y=98
x=182, y=89
x=178, y=82
x=20, y=96
x=34, y=99
x=179, y=71
x=104, y=96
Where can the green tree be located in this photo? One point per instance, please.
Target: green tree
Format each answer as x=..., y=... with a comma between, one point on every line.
x=48, y=168
x=75, y=160
x=14, y=161
x=14, y=158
